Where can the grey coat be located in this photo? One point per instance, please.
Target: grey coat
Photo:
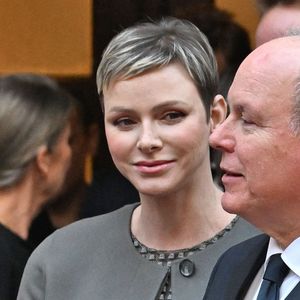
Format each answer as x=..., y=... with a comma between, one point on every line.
x=95, y=259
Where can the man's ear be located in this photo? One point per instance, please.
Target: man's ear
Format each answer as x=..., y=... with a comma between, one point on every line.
x=218, y=112
x=43, y=160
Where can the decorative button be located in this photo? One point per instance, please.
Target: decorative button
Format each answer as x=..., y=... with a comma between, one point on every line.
x=186, y=268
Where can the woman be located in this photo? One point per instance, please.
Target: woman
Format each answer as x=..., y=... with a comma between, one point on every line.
x=158, y=85
x=34, y=155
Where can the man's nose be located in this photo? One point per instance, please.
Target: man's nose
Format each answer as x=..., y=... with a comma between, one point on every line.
x=222, y=137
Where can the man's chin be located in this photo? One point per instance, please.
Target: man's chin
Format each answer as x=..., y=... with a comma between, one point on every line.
x=230, y=203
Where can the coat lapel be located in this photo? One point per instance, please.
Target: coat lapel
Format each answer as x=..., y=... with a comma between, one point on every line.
x=295, y=293
x=249, y=263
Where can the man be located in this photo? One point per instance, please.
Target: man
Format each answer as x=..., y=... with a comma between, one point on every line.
x=260, y=143
x=279, y=18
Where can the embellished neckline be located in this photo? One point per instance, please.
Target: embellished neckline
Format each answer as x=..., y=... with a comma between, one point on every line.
x=167, y=257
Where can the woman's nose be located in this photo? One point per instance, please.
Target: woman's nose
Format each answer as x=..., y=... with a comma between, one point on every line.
x=149, y=140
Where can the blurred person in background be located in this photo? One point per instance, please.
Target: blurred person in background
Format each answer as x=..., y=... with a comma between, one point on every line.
x=66, y=207
x=279, y=18
x=229, y=40
x=35, y=155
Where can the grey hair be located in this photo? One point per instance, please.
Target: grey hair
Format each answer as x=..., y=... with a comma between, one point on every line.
x=156, y=44
x=295, y=116
x=293, y=31
x=33, y=112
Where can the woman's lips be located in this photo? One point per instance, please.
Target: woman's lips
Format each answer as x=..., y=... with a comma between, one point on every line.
x=152, y=167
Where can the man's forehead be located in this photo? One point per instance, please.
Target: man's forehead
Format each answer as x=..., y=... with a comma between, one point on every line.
x=280, y=56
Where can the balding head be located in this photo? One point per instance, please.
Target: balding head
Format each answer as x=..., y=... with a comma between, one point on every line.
x=278, y=21
x=273, y=66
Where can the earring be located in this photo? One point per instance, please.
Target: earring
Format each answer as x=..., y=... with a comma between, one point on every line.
x=88, y=169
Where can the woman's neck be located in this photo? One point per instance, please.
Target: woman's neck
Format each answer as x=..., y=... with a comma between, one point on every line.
x=181, y=220
x=17, y=209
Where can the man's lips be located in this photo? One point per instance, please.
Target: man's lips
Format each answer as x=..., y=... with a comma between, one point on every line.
x=231, y=173
x=231, y=177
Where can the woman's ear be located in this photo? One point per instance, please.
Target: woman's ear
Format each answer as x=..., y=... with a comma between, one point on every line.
x=218, y=112
x=43, y=160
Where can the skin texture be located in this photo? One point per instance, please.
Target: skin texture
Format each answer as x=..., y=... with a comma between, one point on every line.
x=277, y=22
x=261, y=154
x=157, y=133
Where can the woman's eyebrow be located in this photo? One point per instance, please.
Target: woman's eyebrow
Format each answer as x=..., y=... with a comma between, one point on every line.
x=118, y=109
x=122, y=109
x=168, y=103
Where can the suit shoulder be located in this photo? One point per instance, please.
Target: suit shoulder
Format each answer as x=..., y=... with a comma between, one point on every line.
x=251, y=243
x=240, y=252
x=233, y=267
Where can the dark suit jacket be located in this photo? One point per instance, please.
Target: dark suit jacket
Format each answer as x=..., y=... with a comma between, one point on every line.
x=237, y=268
x=14, y=253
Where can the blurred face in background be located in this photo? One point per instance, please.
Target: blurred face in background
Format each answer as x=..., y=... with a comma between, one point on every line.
x=83, y=141
x=75, y=173
x=59, y=161
x=277, y=22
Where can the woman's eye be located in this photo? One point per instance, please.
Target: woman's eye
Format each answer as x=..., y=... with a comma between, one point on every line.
x=173, y=116
x=124, y=123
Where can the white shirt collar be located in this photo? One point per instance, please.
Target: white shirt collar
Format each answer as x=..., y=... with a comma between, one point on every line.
x=290, y=255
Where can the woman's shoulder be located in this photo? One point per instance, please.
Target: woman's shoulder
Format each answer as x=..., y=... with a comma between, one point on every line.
x=80, y=239
x=95, y=226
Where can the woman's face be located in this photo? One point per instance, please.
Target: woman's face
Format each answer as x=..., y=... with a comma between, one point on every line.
x=156, y=130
